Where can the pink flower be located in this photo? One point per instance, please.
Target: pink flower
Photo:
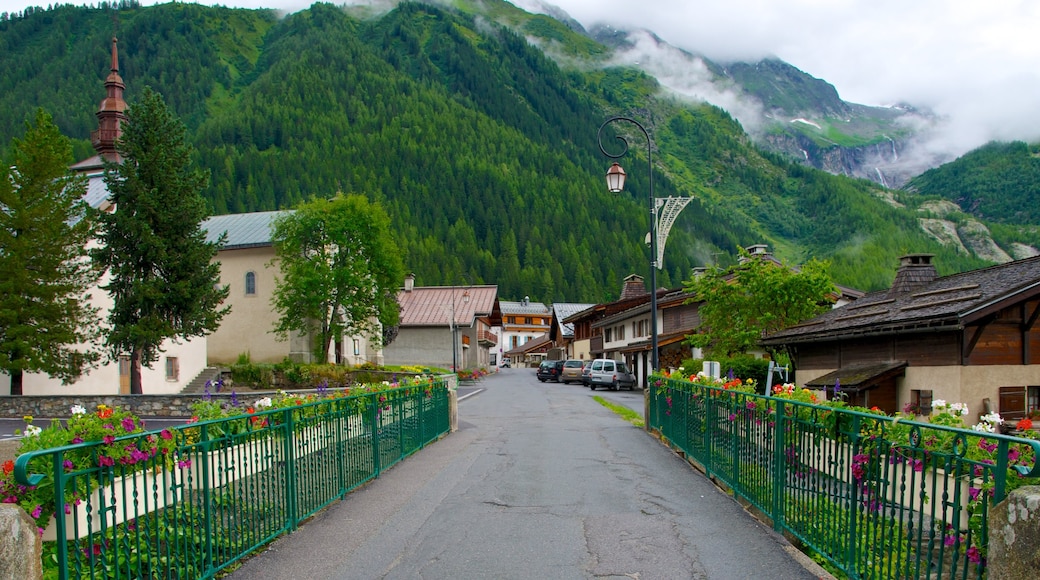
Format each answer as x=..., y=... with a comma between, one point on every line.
x=36, y=512
x=166, y=434
x=108, y=439
x=105, y=460
x=128, y=424
x=973, y=555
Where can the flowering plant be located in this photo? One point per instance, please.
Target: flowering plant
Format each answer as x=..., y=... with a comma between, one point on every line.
x=112, y=427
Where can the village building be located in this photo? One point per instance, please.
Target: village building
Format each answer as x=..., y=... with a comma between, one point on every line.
x=971, y=338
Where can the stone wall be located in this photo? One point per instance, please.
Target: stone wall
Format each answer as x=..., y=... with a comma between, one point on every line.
x=20, y=545
x=1014, y=536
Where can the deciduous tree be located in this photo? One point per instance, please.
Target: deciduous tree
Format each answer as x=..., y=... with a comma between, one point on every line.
x=163, y=281
x=340, y=270
x=756, y=297
x=47, y=323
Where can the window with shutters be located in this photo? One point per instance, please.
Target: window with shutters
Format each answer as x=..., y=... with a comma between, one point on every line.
x=1012, y=403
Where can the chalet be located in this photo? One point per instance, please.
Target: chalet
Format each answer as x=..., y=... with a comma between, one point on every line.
x=530, y=353
x=970, y=337
x=522, y=321
x=562, y=333
x=445, y=326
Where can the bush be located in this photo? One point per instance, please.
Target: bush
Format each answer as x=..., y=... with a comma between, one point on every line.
x=743, y=367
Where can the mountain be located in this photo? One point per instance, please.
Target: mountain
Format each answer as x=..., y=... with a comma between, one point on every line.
x=475, y=125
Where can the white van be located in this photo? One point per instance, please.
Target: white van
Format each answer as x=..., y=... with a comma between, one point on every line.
x=607, y=372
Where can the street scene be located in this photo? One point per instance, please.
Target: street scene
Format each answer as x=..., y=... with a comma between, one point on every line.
x=540, y=481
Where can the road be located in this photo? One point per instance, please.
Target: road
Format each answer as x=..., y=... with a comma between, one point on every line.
x=540, y=481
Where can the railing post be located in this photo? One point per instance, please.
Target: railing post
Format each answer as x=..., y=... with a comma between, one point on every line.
x=290, y=467
x=374, y=406
x=779, y=469
x=207, y=495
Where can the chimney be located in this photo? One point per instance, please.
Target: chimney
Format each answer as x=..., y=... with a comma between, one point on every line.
x=633, y=287
x=409, y=282
x=915, y=271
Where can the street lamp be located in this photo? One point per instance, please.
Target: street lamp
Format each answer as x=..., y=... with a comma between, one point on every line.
x=615, y=184
x=454, y=336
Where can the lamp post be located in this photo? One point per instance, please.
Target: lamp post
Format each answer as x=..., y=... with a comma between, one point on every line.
x=452, y=326
x=615, y=184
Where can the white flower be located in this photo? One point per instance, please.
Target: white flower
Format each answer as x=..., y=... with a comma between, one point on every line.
x=32, y=430
x=261, y=403
x=939, y=404
x=959, y=409
x=78, y=410
x=993, y=419
x=983, y=428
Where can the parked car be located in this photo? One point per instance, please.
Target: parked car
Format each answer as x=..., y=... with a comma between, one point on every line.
x=504, y=365
x=610, y=373
x=571, y=371
x=549, y=370
x=585, y=370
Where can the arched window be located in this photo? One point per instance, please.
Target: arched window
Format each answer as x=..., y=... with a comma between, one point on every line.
x=250, y=283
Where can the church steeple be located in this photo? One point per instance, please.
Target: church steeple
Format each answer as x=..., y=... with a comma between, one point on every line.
x=111, y=113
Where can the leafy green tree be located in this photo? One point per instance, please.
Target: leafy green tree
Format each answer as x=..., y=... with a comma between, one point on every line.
x=340, y=270
x=47, y=323
x=756, y=297
x=164, y=283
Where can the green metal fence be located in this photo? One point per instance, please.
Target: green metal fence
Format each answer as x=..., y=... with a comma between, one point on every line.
x=874, y=496
x=231, y=486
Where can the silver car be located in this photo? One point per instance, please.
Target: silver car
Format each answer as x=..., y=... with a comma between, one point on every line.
x=610, y=373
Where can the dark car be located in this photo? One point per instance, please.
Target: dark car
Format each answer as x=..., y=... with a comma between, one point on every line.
x=549, y=370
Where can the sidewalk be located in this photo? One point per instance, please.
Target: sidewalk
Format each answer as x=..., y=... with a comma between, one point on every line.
x=539, y=482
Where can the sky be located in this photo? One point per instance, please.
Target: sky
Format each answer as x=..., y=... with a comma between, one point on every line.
x=974, y=62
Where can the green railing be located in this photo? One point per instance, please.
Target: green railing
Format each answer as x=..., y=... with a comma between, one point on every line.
x=874, y=496
x=231, y=486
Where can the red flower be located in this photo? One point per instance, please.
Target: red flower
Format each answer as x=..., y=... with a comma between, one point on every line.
x=104, y=413
x=8, y=467
x=1021, y=426
x=250, y=410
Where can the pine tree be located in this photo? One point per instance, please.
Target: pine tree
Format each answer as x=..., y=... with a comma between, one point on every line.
x=163, y=280
x=47, y=323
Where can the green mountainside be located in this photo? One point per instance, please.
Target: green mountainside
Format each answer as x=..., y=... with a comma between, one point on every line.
x=999, y=182
x=481, y=147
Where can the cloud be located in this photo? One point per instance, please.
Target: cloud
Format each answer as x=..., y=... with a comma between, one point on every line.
x=973, y=63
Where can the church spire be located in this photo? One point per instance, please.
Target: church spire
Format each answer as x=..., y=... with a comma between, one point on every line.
x=111, y=113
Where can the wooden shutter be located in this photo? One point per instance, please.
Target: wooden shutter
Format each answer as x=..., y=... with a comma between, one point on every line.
x=1012, y=403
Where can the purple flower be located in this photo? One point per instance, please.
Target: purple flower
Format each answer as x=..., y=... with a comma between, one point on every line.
x=36, y=512
x=105, y=460
x=949, y=541
x=108, y=439
x=166, y=434
x=128, y=424
x=750, y=405
x=918, y=465
x=974, y=492
x=77, y=439
x=234, y=398
x=973, y=555
x=732, y=417
x=184, y=464
x=68, y=465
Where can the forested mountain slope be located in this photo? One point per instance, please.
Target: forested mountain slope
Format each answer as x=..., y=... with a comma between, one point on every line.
x=482, y=148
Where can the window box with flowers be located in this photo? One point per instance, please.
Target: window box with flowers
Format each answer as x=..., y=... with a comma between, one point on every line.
x=102, y=450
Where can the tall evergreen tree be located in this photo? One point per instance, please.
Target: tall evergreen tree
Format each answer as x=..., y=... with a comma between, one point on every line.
x=340, y=270
x=47, y=323
x=164, y=283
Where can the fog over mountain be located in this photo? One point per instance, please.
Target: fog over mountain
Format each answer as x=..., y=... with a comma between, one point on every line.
x=972, y=64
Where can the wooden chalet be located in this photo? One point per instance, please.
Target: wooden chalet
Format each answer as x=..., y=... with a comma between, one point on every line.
x=970, y=337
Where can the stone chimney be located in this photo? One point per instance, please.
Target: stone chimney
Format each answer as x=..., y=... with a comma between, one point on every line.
x=633, y=287
x=915, y=271
x=409, y=282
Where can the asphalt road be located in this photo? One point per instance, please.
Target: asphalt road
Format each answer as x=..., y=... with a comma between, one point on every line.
x=540, y=481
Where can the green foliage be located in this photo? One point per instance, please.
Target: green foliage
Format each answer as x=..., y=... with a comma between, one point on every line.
x=480, y=148
x=998, y=182
x=45, y=276
x=163, y=281
x=340, y=270
x=754, y=298
x=743, y=367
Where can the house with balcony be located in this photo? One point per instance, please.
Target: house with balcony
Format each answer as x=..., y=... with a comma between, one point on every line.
x=971, y=338
x=522, y=322
x=445, y=326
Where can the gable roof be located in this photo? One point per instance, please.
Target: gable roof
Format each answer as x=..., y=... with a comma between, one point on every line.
x=542, y=343
x=244, y=230
x=950, y=302
x=562, y=310
x=523, y=307
x=433, y=305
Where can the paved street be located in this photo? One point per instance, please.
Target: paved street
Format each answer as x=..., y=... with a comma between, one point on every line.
x=539, y=482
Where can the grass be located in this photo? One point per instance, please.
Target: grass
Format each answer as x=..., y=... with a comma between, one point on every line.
x=625, y=413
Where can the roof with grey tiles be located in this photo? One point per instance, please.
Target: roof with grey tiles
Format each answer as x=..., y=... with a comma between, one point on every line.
x=244, y=230
x=946, y=302
x=510, y=307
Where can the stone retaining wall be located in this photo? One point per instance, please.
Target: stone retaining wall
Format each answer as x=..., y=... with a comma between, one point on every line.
x=1014, y=536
